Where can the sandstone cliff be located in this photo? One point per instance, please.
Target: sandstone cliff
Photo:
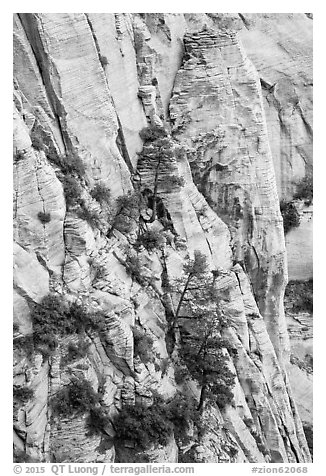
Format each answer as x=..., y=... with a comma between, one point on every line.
x=85, y=85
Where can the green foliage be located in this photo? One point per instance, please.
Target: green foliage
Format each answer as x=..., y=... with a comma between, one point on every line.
x=75, y=352
x=19, y=155
x=37, y=141
x=24, y=344
x=128, y=211
x=23, y=394
x=305, y=189
x=101, y=193
x=98, y=270
x=180, y=375
x=97, y=421
x=76, y=398
x=53, y=318
x=90, y=216
x=103, y=60
x=203, y=352
x=299, y=296
x=308, y=431
x=44, y=217
x=20, y=456
x=72, y=190
x=291, y=217
x=143, y=345
x=72, y=164
x=181, y=410
x=151, y=240
x=176, y=182
x=198, y=266
x=152, y=133
x=143, y=426
x=133, y=268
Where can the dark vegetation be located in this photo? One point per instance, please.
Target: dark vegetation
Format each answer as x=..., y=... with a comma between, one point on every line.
x=128, y=212
x=305, y=189
x=193, y=269
x=159, y=150
x=154, y=425
x=75, y=399
x=308, y=431
x=104, y=61
x=75, y=352
x=151, y=240
x=133, y=268
x=291, y=217
x=22, y=394
x=299, y=296
x=143, y=345
x=90, y=216
x=44, y=217
x=203, y=350
x=207, y=362
x=54, y=318
x=101, y=193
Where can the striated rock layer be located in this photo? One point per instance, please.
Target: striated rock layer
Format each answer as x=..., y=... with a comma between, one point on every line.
x=84, y=86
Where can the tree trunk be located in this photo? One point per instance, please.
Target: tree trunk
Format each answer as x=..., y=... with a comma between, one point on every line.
x=202, y=398
x=181, y=300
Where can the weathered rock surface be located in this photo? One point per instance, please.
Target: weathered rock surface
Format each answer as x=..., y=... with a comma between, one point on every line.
x=85, y=85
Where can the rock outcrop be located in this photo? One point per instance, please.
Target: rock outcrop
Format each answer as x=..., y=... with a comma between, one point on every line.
x=85, y=86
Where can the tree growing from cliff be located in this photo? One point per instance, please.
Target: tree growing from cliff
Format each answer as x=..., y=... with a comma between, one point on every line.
x=193, y=269
x=204, y=351
x=159, y=149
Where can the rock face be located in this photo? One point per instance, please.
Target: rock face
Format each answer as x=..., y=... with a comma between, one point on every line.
x=85, y=86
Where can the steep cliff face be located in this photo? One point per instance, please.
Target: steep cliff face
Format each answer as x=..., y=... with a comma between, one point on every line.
x=85, y=85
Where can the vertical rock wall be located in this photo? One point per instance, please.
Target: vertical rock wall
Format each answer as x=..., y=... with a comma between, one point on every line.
x=85, y=85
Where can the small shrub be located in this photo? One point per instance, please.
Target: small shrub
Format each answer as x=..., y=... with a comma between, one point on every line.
x=19, y=155
x=75, y=352
x=49, y=321
x=44, y=217
x=90, y=216
x=151, y=240
x=128, y=211
x=37, y=142
x=291, y=217
x=181, y=410
x=143, y=426
x=152, y=133
x=72, y=190
x=305, y=189
x=133, y=268
x=103, y=60
x=15, y=327
x=23, y=394
x=25, y=344
x=143, y=346
x=176, y=182
x=97, y=421
x=299, y=296
x=73, y=164
x=101, y=193
x=180, y=375
x=76, y=398
x=98, y=270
